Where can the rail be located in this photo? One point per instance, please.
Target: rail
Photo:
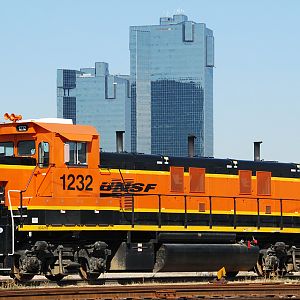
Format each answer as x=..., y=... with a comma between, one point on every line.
x=160, y=291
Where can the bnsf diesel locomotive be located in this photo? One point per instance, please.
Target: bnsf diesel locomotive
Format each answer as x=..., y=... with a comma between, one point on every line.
x=67, y=208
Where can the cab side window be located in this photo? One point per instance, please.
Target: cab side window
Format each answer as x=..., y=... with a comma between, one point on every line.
x=6, y=149
x=26, y=148
x=43, y=159
x=76, y=153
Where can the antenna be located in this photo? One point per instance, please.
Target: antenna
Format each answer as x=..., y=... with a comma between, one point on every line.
x=179, y=11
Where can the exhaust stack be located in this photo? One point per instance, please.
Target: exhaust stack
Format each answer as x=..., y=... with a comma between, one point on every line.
x=257, y=151
x=191, y=145
x=119, y=141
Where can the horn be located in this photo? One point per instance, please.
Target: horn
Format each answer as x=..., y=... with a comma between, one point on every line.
x=12, y=117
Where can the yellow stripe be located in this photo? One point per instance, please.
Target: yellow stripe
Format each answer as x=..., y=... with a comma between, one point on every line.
x=163, y=210
x=285, y=179
x=156, y=228
x=70, y=208
x=17, y=167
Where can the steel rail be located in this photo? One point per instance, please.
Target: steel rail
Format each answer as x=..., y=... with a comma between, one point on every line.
x=166, y=291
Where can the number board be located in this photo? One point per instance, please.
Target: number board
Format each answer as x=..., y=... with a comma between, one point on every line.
x=79, y=182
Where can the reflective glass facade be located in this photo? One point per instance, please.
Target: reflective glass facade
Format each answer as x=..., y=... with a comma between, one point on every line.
x=171, y=68
x=94, y=97
x=69, y=108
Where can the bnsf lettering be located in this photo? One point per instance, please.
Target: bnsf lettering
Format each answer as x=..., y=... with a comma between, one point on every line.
x=137, y=187
x=127, y=187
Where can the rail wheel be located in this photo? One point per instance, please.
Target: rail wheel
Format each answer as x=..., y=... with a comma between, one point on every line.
x=262, y=271
x=258, y=269
x=57, y=277
x=86, y=275
x=17, y=274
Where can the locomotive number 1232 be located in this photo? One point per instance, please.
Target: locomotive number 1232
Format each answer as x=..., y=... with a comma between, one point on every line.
x=71, y=182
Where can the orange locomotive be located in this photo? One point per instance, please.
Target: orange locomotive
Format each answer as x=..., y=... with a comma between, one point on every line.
x=66, y=209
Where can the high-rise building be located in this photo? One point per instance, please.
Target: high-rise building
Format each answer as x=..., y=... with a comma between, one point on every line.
x=94, y=97
x=171, y=69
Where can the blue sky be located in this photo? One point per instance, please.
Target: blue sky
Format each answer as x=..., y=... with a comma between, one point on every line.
x=257, y=59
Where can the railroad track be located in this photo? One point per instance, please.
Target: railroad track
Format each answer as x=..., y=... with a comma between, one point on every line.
x=127, y=278
x=142, y=278
x=162, y=291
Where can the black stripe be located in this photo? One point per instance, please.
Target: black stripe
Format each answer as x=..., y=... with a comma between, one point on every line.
x=11, y=160
x=136, y=161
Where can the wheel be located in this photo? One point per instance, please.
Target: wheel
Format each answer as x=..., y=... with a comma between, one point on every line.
x=261, y=271
x=85, y=275
x=57, y=277
x=258, y=269
x=17, y=275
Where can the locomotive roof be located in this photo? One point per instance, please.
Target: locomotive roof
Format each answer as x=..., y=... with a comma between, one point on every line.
x=212, y=165
x=69, y=131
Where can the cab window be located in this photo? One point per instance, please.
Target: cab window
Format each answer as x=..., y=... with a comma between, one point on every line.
x=26, y=148
x=43, y=158
x=75, y=153
x=6, y=149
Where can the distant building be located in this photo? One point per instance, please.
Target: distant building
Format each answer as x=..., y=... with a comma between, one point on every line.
x=92, y=96
x=171, y=69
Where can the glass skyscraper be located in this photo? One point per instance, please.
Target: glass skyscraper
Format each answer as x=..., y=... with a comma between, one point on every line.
x=94, y=97
x=171, y=69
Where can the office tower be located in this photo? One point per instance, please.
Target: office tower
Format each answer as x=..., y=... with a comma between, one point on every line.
x=94, y=97
x=171, y=69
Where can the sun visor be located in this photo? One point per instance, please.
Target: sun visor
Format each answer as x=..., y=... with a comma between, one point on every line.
x=77, y=137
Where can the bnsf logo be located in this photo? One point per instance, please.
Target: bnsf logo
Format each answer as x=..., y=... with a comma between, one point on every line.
x=127, y=187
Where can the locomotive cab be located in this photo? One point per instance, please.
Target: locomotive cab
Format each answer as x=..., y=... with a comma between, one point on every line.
x=51, y=152
x=49, y=171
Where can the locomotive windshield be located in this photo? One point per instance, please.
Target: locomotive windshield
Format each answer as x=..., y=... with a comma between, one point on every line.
x=6, y=149
x=26, y=148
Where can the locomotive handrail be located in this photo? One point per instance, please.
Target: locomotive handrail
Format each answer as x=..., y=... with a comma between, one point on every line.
x=48, y=170
x=23, y=191
x=210, y=197
x=234, y=215
x=207, y=196
x=210, y=212
x=29, y=180
x=258, y=216
x=12, y=221
x=159, y=211
x=26, y=187
x=281, y=217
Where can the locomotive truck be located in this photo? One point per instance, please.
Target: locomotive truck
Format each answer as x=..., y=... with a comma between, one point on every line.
x=67, y=208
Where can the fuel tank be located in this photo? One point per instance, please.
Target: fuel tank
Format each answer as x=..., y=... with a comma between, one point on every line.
x=205, y=257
